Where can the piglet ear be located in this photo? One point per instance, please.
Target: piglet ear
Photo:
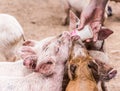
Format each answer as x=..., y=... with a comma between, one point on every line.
x=31, y=43
x=46, y=68
x=74, y=21
x=104, y=33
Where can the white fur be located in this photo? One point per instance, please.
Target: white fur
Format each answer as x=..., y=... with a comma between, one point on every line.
x=37, y=81
x=11, y=34
x=32, y=82
x=17, y=69
x=102, y=56
x=14, y=69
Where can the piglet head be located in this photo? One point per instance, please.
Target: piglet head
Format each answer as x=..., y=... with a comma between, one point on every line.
x=101, y=71
x=105, y=71
x=28, y=54
x=54, y=54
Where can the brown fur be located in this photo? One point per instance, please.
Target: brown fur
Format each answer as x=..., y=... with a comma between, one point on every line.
x=83, y=78
x=101, y=72
x=82, y=68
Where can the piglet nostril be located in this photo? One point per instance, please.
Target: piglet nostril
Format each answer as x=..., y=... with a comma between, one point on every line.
x=112, y=74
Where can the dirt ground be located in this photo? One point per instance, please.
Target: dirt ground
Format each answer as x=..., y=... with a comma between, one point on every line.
x=42, y=18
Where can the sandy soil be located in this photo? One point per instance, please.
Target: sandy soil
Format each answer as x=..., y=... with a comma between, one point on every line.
x=42, y=18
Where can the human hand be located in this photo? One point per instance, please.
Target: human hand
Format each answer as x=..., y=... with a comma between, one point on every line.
x=93, y=15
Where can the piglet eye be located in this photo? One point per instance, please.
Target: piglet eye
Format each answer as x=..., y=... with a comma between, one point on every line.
x=60, y=35
x=73, y=68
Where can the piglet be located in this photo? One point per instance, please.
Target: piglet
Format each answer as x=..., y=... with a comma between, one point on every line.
x=17, y=69
x=80, y=75
x=11, y=37
x=48, y=71
x=27, y=63
x=102, y=72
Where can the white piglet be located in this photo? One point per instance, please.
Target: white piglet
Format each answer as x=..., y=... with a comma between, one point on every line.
x=25, y=66
x=11, y=36
x=48, y=67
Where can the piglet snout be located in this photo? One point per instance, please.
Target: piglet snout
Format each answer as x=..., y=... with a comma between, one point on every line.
x=112, y=74
x=30, y=62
